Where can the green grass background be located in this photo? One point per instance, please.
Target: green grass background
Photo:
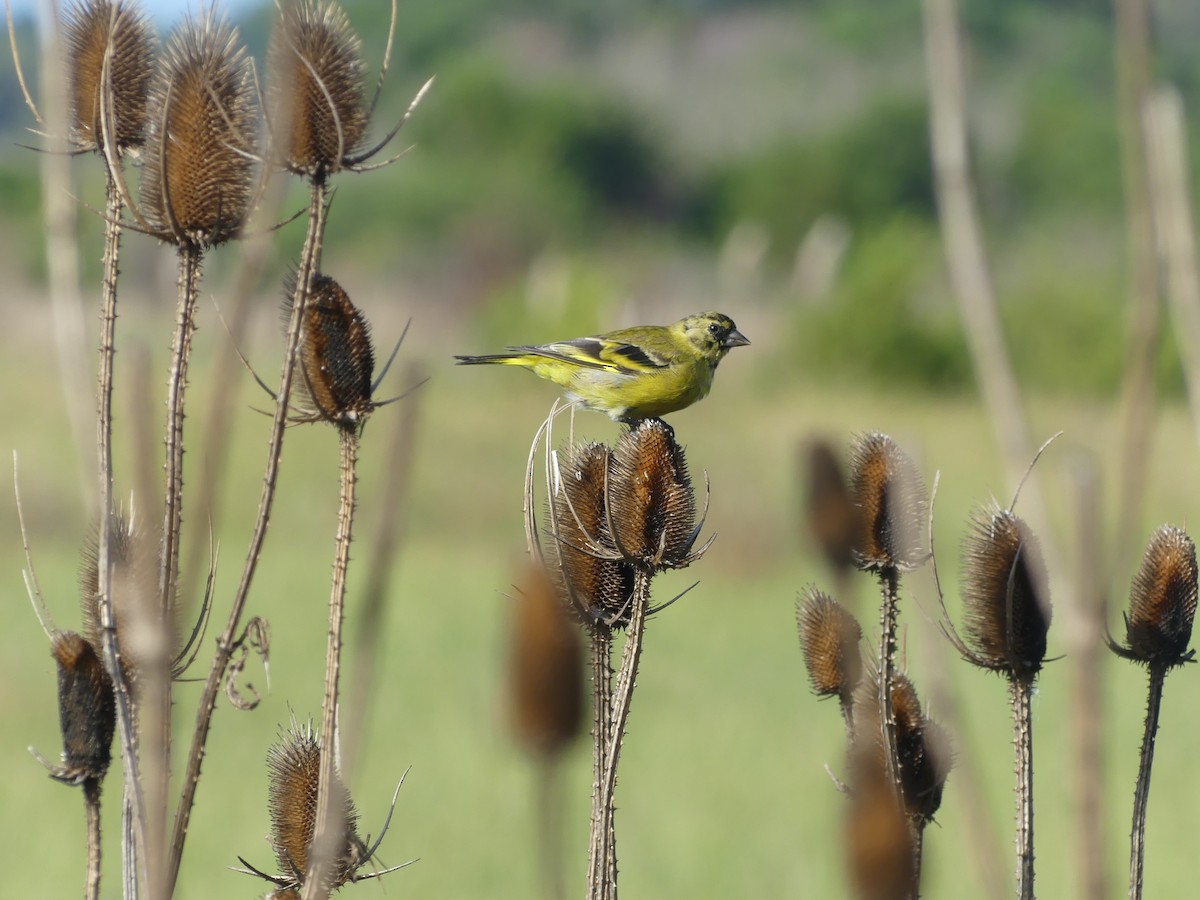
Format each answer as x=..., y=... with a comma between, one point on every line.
x=722, y=791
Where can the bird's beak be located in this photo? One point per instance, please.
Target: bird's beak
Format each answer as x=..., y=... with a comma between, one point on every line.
x=735, y=339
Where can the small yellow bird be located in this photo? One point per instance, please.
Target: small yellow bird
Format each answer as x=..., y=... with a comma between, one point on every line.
x=635, y=373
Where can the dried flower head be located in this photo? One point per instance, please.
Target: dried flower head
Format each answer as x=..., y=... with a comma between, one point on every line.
x=1005, y=597
x=198, y=180
x=316, y=85
x=890, y=497
x=336, y=357
x=1162, y=601
x=598, y=584
x=829, y=636
x=134, y=595
x=650, y=496
x=546, y=667
x=87, y=711
x=831, y=513
x=293, y=764
x=879, y=843
x=922, y=747
x=90, y=27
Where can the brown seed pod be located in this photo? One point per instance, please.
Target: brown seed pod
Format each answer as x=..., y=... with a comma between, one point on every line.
x=598, y=585
x=293, y=765
x=879, y=843
x=316, y=85
x=87, y=712
x=922, y=747
x=650, y=496
x=833, y=519
x=890, y=497
x=829, y=636
x=337, y=359
x=198, y=179
x=89, y=28
x=1162, y=601
x=545, y=666
x=1005, y=598
x=134, y=595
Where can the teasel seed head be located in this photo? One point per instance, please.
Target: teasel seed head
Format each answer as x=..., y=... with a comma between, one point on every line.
x=316, y=86
x=546, y=667
x=1162, y=602
x=650, y=497
x=829, y=637
x=598, y=584
x=337, y=360
x=1005, y=595
x=922, y=746
x=833, y=518
x=198, y=180
x=890, y=497
x=89, y=28
x=293, y=764
x=134, y=595
x=879, y=843
x=87, y=712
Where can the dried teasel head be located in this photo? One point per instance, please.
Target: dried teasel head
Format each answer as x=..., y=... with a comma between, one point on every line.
x=316, y=87
x=830, y=509
x=890, y=498
x=87, y=711
x=598, y=583
x=650, y=497
x=545, y=667
x=134, y=596
x=829, y=637
x=1162, y=602
x=90, y=27
x=923, y=750
x=293, y=765
x=879, y=843
x=337, y=359
x=198, y=180
x=1005, y=597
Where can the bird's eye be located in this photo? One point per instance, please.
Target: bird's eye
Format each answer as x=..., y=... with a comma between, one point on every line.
x=714, y=328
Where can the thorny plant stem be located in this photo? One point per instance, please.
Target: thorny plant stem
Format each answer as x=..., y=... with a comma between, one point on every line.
x=889, y=581
x=110, y=649
x=91, y=804
x=326, y=830
x=601, y=639
x=1141, y=794
x=621, y=699
x=1021, y=693
x=309, y=262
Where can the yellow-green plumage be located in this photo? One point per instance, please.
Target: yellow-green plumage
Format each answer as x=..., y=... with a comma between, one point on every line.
x=634, y=373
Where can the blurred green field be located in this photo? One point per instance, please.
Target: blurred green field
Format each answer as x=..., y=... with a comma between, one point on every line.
x=723, y=791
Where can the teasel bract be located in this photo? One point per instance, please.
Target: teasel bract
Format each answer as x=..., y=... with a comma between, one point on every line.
x=1007, y=615
x=1158, y=628
x=92, y=31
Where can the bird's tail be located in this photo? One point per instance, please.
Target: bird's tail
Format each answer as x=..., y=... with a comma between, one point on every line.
x=502, y=359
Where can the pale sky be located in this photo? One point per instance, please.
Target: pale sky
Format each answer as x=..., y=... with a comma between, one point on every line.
x=164, y=12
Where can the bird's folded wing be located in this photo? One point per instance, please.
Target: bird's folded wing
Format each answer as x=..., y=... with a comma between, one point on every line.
x=599, y=353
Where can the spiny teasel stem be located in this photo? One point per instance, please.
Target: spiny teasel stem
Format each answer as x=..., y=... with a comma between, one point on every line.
x=91, y=805
x=1141, y=794
x=1021, y=693
x=325, y=836
x=601, y=835
x=226, y=642
x=889, y=581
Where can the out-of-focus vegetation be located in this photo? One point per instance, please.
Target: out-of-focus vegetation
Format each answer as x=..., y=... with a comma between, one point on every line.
x=773, y=154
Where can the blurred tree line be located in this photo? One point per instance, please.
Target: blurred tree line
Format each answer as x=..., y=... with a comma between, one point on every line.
x=535, y=142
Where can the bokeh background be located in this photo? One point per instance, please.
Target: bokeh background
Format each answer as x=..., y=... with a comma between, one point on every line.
x=579, y=167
